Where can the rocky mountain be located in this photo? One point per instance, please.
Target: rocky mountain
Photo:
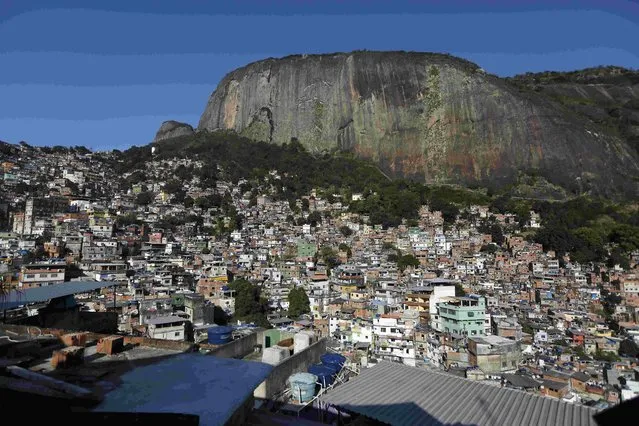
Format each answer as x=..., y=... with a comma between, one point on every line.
x=429, y=117
x=607, y=96
x=173, y=129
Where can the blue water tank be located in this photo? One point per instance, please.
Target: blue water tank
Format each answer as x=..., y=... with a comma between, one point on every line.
x=302, y=386
x=334, y=368
x=220, y=335
x=325, y=375
x=334, y=359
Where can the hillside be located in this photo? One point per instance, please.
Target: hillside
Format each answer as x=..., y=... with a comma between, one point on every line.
x=431, y=118
x=605, y=96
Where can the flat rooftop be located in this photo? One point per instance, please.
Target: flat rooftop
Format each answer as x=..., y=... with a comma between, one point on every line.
x=212, y=388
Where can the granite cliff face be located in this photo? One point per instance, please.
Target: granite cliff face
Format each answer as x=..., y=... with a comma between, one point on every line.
x=173, y=129
x=430, y=117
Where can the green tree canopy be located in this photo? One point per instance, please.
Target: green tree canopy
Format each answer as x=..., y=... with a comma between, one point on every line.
x=250, y=306
x=144, y=198
x=407, y=260
x=298, y=302
x=346, y=231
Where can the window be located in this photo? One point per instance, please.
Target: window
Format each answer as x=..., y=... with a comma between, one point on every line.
x=471, y=314
x=513, y=363
x=383, y=329
x=30, y=276
x=503, y=364
x=177, y=334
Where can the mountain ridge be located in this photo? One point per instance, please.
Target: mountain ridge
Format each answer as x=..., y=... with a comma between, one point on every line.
x=429, y=117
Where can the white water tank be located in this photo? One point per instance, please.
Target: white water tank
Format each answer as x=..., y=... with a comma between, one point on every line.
x=274, y=355
x=301, y=342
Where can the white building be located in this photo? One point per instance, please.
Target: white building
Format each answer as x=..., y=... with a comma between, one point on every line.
x=167, y=328
x=392, y=339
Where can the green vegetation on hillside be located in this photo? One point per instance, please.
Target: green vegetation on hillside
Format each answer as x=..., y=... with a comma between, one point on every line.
x=250, y=305
x=590, y=230
x=386, y=202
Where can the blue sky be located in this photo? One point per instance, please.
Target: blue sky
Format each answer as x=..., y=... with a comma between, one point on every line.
x=107, y=75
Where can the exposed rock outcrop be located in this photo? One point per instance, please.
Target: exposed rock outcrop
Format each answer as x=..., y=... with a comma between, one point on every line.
x=172, y=129
x=431, y=117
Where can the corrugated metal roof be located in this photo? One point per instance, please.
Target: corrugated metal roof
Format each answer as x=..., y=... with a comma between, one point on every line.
x=400, y=395
x=17, y=298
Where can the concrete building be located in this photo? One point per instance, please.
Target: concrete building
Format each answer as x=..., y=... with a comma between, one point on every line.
x=494, y=354
x=425, y=299
x=167, y=328
x=194, y=307
x=393, y=339
x=41, y=275
x=508, y=328
x=461, y=316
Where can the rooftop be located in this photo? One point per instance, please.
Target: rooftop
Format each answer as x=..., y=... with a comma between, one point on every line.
x=418, y=396
x=16, y=298
x=165, y=320
x=492, y=340
x=207, y=386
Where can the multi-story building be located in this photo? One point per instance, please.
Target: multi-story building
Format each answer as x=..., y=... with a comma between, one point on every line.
x=425, y=299
x=461, y=317
x=630, y=290
x=41, y=275
x=392, y=338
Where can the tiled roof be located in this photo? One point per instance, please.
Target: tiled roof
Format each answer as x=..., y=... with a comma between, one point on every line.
x=402, y=395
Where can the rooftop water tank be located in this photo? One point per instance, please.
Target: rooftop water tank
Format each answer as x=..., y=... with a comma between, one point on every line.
x=220, y=335
x=302, y=341
x=333, y=358
x=325, y=375
x=302, y=386
x=334, y=368
x=274, y=355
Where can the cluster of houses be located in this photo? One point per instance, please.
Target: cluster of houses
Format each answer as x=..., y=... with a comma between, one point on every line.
x=510, y=314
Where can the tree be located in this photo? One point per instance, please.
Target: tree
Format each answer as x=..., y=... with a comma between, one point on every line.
x=314, y=218
x=407, y=260
x=328, y=255
x=250, y=306
x=219, y=316
x=489, y=248
x=144, y=198
x=606, y=356
x=629, y=348
x=298, y=302
x=346, y=231
x=188, y=202
x=459, y=290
